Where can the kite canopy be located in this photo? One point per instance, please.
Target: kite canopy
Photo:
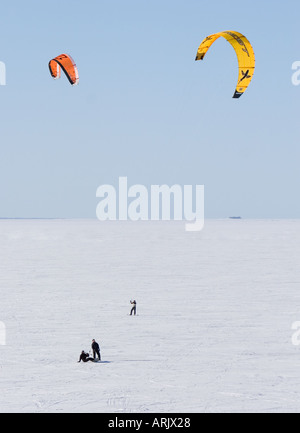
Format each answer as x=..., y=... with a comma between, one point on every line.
x=67, y=64
x=244, y=52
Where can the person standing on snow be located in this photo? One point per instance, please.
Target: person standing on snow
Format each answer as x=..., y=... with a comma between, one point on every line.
x=96, y=350
x=133, y=309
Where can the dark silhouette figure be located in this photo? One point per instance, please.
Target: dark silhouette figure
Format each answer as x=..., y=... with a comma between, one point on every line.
x=85, y=357
x=96, y=350
x=133, y=309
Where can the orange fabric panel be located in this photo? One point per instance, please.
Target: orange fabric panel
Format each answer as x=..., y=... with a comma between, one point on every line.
x=67, y=64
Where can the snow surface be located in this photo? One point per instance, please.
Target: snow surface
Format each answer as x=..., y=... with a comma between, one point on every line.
x=213, y=330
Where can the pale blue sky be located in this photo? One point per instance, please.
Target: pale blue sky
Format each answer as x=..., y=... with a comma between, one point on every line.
x=144, y=108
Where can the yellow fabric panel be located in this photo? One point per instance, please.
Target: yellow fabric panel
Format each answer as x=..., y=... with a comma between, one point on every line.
x=244, y=52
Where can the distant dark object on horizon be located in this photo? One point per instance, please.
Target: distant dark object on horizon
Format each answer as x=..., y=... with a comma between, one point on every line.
x=235, y=218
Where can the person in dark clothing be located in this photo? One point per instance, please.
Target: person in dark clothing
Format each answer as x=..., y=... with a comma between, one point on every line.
x=96, y=350
x=85, y=357
x=133, y=309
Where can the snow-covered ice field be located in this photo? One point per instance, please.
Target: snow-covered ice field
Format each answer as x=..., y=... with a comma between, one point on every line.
x=213, y=330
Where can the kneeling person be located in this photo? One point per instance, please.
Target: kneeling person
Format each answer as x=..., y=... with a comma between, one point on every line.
x=85, y=357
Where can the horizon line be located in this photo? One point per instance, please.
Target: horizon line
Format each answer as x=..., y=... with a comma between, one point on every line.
x=239, y=218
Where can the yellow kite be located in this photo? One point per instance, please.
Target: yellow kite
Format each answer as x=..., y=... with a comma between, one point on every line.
x=244, y=52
